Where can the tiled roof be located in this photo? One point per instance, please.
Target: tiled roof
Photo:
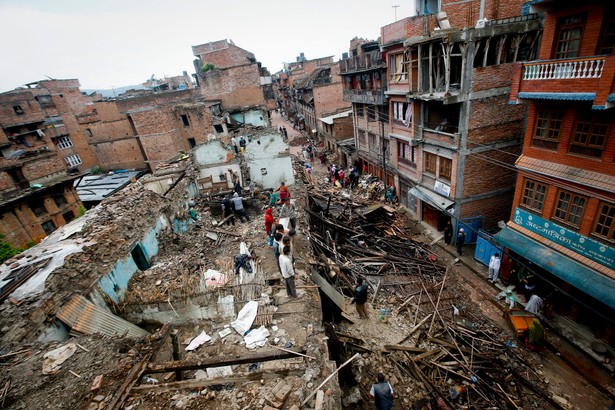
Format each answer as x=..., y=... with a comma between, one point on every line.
x=568, y=173
x=558, y=96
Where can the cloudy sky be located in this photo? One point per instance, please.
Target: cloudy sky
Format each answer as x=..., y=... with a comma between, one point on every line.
x=108, y=43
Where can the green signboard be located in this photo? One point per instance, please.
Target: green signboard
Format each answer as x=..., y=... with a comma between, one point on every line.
x=590, y=248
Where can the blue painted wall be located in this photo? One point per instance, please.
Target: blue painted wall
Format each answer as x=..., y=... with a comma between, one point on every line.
x=115, y=283
x=253, y=117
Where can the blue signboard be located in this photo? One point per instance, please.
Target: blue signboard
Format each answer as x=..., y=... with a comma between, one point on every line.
x=591, y=249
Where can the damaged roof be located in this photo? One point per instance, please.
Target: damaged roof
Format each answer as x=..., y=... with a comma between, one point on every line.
x=92, y=188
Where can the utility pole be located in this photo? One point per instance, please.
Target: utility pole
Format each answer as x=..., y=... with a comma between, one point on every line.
x=395, y=8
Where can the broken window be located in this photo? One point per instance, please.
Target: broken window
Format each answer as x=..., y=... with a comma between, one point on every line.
x=427, y=7
x=359, y=109
x=45, y=101
x=68, y=216
x=185, y=121
x=18, y=110
x=48, y=227
x=442, y=118
x=60, y=200
x=406, y=153
x=398, y=67
x=218, y=128
x=37, y=208
x=191, y=142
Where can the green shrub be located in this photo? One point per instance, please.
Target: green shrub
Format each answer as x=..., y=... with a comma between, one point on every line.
x=207, y=67
x=7, y=251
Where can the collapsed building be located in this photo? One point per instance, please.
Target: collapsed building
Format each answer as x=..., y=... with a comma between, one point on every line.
x=111, y=301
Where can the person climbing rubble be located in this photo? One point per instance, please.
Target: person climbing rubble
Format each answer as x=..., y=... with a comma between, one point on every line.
x=360, y=298
x=239, y=210
x=227, y=210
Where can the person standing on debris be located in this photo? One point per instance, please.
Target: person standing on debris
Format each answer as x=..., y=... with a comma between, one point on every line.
x=285, y=133
x=238, y=204
x=269, y=220
x=494, y=267
x=234, y=144
x=288, y=272
x=461, y=238
x=284, y=192
x=360, y=298
x=288, y=211
x=227, y=210
x=242, y=144
x=251, y=188
x=273, y=198
x=277, y=247
x=448, y=232
x=382, y=392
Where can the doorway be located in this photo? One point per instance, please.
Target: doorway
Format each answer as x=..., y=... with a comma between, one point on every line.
x=139, y=257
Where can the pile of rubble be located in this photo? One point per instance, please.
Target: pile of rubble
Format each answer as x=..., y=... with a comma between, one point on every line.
x=444, y=352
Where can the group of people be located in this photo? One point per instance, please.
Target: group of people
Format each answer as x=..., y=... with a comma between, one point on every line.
x=280, y=239
x=283, y=133
x=233, y=206
x=239, y=146
x=341, y=179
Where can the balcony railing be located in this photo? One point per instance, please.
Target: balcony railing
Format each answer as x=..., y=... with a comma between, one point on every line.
x=564, y=69
x=367, y=61
x=364, y=96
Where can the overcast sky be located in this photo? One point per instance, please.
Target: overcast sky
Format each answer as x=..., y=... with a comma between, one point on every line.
x=108, y=43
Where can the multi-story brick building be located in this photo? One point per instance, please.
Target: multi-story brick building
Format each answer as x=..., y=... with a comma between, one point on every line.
x=167, y=123
x=233, y=76
x=562, y=224
x=447, y=81
x=364, y=77
x=318, y=95
x=294, y=89
x=39, y=141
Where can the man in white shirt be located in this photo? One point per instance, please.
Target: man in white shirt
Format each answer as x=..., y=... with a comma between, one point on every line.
x=288, y=272
x=494, y=267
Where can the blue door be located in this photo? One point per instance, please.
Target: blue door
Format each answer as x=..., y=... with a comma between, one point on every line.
x=471, y=226
x=485, y=248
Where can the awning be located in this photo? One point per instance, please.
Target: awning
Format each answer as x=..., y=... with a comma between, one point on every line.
x=586, y=280
x=437, y=200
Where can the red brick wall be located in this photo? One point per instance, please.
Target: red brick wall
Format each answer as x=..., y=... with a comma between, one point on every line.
x=493, y=119
x=465, y=14
x=343, y=128
x=494, y=209
x=606, y=165
x=222, y=54
x=591, y=33
x=408, y=27
x=237, y=87
x=495, y=76
x=328, y=99
x=19, y=224
x=483, y=172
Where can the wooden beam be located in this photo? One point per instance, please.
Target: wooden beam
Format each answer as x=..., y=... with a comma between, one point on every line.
x=195, y=364
x=405, y=348
x=196, y=384
x=329, y=378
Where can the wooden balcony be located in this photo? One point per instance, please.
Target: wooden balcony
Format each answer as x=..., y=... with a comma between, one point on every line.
x=365, y=62
x=574, y=79
x=365, y=96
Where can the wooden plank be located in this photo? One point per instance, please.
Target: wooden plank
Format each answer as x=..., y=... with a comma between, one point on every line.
x=329, y=290
x=424, y=355
x=195, y=364
x=329, y=378
x=196, y=384
x=405, y=348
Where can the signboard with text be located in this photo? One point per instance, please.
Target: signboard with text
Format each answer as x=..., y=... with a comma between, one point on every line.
x=590, y=248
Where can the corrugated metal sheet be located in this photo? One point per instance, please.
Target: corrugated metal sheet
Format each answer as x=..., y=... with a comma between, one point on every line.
x=84, y=317
x=98, y=187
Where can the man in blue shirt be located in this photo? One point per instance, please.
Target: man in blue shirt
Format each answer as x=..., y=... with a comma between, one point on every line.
x=382, y=392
